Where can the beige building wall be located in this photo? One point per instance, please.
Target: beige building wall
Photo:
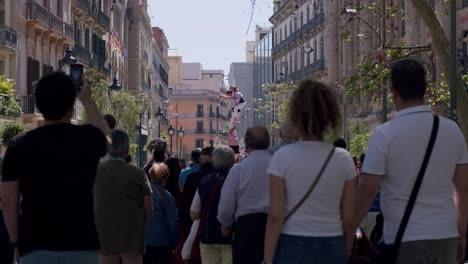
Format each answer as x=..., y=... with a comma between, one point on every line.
x=194, y=105
x=8, y=36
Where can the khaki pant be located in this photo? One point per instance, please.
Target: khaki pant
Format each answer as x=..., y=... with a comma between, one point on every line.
x=216, y=254
x=441, y=251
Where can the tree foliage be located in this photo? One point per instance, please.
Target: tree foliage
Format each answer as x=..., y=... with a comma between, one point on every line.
x=273, y=106
x=123, y=105
x=359, y=137
x=9, y=130
x=9, y=106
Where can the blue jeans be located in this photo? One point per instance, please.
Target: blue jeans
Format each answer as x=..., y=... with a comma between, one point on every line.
x=60, y=257
x=300, y=250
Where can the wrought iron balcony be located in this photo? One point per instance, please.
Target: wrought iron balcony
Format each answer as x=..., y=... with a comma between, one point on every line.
x=213, y=131
x=82, y=4
x=200, y=114
x=199, y=131
x=212, y=114
x=82, y=53
x=316, y=66
x=69, y=30
x=38, y=13
x=319, y=19
x=7, y=37
x=28, y=104
x=103, y=21
x=56, y=24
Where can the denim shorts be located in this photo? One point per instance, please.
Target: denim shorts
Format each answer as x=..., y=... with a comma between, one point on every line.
x=300, y=250
x=60, y=257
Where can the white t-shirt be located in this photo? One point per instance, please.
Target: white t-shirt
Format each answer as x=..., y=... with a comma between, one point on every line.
x=298, y=164
x=396, y=150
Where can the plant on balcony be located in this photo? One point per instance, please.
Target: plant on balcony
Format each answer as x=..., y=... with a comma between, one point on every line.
x=9, y=130
x=9, y=106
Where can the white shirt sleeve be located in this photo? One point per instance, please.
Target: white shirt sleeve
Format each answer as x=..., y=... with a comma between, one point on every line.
x=196, y=203
x=276, y=167
x=375, y=162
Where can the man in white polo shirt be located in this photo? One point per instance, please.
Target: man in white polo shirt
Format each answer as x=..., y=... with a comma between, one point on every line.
x=436, y=232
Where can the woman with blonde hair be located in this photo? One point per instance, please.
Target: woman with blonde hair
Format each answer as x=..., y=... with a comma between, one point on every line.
x=162, y=235
x=312, y=186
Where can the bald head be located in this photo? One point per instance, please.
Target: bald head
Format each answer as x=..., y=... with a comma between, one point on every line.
x=257, y=138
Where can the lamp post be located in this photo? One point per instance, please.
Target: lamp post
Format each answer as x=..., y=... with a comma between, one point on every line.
x=159, y=114
x=171, y=132
x=181, y=136
x=115, y=86
x=141, y=112
x=67, y=60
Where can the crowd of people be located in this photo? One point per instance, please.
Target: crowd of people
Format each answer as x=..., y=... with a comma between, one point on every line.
x=71, y=195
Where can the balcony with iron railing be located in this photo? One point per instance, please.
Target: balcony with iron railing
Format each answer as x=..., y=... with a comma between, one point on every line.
x=103, y=21
x=56, y=24
x=212, y=114
x=81, y=4
x=319, y=19
x=200, y=114
x=28, y=104
x=82, y=53
x=7, y=37
x=37, y=13
x=68, y=30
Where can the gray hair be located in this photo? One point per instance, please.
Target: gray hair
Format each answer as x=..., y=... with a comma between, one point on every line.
x=120, y=144
x=223, y=158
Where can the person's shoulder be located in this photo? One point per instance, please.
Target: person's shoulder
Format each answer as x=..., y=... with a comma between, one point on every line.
x=88, y=129
x=342, y=153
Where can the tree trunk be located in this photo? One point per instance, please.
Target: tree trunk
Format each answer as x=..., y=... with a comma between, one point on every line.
x=441, y=47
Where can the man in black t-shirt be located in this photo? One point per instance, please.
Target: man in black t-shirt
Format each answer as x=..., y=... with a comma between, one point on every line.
x=53, y=168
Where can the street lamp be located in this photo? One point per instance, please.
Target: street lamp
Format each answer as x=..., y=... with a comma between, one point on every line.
x=171, y=132
x=159, y=116
x=67, y=60
x=141, y=112
x=181, y=136
x=115, y=86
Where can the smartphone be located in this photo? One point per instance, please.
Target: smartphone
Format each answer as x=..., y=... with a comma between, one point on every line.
x=76, y=73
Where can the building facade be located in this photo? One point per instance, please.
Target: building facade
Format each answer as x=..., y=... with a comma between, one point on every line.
x=263, y=74
x=194, y=105
x=8, y=42
x=299, y=38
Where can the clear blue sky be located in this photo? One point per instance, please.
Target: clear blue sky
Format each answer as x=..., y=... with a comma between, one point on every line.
x=212, y=32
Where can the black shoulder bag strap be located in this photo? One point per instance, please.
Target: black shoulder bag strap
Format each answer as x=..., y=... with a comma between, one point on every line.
x=415, y=191
x=312, y=187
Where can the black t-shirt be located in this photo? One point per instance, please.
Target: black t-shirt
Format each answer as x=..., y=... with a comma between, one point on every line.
x=56, y=167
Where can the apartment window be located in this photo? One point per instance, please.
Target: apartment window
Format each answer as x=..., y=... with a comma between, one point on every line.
x=308, y=13
x=302, y=18
x=59, y=9
x=199, y=127
x=199, y=110
x=465, y=3
x=86, y=38
x=199, y=143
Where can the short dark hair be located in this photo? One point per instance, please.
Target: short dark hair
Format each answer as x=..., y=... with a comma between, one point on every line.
x=159, y=154
x=229, y=92
x=195, y=155
x=55, y=95
x=111, y=122
x=257, y=138
x=409, y=80
x=340, y=143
